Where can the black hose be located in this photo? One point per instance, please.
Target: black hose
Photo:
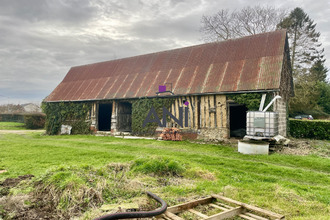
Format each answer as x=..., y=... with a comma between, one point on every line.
x=123, y=215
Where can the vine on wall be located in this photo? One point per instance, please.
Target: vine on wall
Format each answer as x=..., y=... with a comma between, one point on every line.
x=68, y=113
x=140, y=110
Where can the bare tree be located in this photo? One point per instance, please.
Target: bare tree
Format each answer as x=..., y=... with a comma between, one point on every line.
x=227, y=24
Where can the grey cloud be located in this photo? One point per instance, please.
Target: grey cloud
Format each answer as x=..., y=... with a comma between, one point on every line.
x=41, y=39
x=63, y=11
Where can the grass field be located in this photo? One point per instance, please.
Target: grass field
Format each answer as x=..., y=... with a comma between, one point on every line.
x=12, y=126
x=295, y=186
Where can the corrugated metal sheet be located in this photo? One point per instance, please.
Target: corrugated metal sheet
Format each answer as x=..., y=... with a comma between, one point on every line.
x=245, y=64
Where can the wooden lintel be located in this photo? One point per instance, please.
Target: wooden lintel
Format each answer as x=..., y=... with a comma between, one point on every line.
x=226, y=214
x=272, y=215
x=190, y=205
x=197, y=213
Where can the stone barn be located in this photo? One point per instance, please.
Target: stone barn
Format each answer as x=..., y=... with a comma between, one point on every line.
x=200, y=78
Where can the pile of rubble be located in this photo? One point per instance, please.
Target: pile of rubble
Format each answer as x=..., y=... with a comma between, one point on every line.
x=171, y=134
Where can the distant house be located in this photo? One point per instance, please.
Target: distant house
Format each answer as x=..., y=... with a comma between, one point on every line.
x=202, y=76
x=31, y=108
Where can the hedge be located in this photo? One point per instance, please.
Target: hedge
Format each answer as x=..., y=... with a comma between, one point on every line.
x=314, y=129
x=34, y=121
x=14, y=117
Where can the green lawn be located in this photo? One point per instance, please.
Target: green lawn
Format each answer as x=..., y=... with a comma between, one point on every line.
x=12, y=126
x=295, y=186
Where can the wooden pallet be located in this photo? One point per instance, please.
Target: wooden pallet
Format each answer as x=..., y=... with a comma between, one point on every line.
x=228, y=208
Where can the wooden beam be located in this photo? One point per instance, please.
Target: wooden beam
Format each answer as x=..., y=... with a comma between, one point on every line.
x=207, y=111
x=218, y=207
x=212, y=114
x=224, y=205
x=272, y=215
x=173, y=113
x=196, y=111
x=240, y=215
x=176, y=110
x=202, y=112
x=220, y=102
x=191, y=115
x=197, y=213
x=226, y=214
x=189, y=205
x=172, y=216
x=256, y=216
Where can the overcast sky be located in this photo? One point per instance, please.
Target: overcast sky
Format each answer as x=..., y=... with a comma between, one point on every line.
x=41, y=39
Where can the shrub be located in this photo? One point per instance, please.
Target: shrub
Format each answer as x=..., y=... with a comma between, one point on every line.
x=34, y=121
x=314, y=129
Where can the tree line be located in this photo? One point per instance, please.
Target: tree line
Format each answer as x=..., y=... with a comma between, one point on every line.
x=312, y=90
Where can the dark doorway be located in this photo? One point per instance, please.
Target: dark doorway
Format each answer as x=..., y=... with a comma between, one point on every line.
x=237, y=120
x=104, y=118
x=124, y=122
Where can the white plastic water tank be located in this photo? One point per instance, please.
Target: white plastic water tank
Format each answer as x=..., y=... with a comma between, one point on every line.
x=262, y=124
x=253, y=147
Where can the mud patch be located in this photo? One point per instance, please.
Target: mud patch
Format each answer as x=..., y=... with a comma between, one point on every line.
x=12, y=182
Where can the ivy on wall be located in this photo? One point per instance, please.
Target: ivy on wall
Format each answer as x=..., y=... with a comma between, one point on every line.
x=68, y=113
x=140, y=110
x=251, y=100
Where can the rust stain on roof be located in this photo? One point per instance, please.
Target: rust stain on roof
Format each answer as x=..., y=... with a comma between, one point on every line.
x=245, y=64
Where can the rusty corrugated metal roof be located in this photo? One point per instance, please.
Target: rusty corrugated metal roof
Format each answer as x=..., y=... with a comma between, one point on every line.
x=246, y=64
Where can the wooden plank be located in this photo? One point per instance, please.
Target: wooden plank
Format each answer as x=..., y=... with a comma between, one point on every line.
x=191, y=115
x=189, y=205
x=163, y=216
x=196, y=110
x=272, y=215
x=197, y=213
x=172, y=216
x=202, y=112
x=173, y=113
x=246, y=217
x=220, y=110
x=240, y=215
x=181, y=105
x=207, y=111
x=256, y=216
x=226, y=214
x=212, y=114
x=176, y=110
x=218, y=207
x=166, y=218
x=224, y=205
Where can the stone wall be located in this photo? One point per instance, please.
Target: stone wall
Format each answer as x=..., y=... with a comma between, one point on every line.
x=281, y=106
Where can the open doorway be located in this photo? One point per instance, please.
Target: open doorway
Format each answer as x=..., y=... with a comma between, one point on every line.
x=237, y=120
x=104, y=118
x=124, y=122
